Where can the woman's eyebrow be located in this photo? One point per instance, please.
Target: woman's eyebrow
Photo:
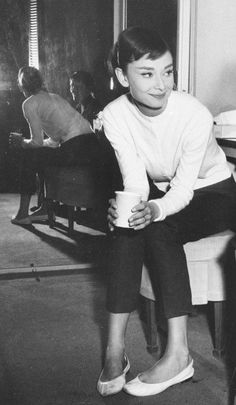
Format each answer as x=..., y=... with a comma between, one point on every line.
x=169, y=66
x=151, y=68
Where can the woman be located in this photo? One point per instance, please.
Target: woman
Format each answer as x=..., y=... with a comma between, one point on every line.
x=82, y=89
x=59, y=135
x=167, y=153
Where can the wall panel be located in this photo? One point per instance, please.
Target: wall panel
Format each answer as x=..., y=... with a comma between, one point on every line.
x=75, y=34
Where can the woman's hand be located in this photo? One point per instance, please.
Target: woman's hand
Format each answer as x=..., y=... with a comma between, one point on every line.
x=112, y=214
x=145, y=213
x=16, y=140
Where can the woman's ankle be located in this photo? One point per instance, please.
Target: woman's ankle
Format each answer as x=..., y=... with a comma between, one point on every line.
x=114, y=362
x=21, y=214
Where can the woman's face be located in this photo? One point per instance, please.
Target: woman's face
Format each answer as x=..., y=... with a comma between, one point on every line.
x=20, y=85
x=78, y=90
x=151, y=82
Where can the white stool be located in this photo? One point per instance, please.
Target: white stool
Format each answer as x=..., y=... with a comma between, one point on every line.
x=207, y=260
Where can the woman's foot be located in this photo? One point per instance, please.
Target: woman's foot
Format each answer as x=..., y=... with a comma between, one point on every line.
x=166, y=368
x=140, y=388
x=114, y=364
x=111, y=381
x=18, y=220
x=39, y=215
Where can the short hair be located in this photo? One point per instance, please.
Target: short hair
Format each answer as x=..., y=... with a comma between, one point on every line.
x=132, y=44
x=84, y=77
x=30, y=79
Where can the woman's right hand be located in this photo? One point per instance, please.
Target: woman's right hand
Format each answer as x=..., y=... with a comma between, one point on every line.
x=15, y=140
x=112, y=214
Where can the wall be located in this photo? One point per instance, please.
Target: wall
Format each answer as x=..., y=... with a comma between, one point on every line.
x=160, y=15
x=75, y=34
x=215, y=66
x=13, y=55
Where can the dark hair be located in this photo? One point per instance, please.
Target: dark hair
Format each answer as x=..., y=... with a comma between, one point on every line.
x=84, y=77
x=132, y=44
x=30, y=79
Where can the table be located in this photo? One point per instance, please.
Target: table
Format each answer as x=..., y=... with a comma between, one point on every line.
x=229, y=147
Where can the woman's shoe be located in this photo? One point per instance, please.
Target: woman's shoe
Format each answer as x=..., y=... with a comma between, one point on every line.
x=20, y=221
x=141, y=389
x=38, y=217
x=115, y=385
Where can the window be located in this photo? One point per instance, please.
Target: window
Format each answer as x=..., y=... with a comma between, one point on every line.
x=33, y=34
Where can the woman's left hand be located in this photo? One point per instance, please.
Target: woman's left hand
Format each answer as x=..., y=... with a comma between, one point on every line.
x=145, y=213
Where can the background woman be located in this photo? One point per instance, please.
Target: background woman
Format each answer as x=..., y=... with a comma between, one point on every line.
x=59, y=135
x=82, y=89
x=166, y=152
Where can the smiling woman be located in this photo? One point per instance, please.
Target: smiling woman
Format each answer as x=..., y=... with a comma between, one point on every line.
x=150, y=82
x=165, y=147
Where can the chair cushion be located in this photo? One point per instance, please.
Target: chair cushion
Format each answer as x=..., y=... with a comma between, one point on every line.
x=205, y=266
x=208, y=248
x=71, y=185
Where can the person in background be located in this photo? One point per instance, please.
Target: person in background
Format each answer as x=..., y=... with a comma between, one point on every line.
x=59, y=135
x=82, y=89
x=167, y=153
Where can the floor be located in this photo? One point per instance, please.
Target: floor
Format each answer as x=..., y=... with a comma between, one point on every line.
x=53, y=331
x=53, y=328
x=38, y=246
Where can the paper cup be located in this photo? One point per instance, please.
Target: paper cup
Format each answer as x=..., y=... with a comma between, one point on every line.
x=125, y=201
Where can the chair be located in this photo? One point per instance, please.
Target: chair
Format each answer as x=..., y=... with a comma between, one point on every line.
x=207, y=261
x=83, y=186
x=72, y=186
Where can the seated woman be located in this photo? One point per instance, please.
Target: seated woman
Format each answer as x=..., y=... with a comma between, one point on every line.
x=82, y=88
x=59, y=135
x=168, y=154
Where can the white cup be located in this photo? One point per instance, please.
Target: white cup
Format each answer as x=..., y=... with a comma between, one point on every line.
x=125, y=201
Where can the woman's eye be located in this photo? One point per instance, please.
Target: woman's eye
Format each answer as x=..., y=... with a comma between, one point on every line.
x=147, y=74
x=169, y=72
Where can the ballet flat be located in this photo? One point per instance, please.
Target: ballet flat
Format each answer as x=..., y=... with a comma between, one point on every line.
x=115, y=385
x=141, y=389
x=21, y=221
x=38, y=217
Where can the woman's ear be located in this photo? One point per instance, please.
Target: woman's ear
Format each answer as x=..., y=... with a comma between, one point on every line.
x=122, y=79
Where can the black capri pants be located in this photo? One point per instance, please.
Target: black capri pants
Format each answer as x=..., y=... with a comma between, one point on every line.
x=81, y=150
x=211, y=210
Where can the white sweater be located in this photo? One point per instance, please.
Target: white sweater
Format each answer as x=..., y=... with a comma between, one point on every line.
x=176, y=148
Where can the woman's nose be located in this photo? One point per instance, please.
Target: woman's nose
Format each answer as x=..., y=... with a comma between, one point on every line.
x=159, y=82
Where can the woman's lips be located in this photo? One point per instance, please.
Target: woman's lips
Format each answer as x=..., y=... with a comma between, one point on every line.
x=158, y=96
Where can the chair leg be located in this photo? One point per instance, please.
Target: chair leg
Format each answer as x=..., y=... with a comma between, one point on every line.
x=71, y=216
x=219, y=335
x=152, y=336
x=232, y=389
x=50, y=211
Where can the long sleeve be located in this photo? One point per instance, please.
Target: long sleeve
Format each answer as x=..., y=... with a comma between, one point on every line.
x=131, y=165
x=181, y=187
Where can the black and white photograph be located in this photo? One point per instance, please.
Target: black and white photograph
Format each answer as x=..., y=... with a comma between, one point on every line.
x=117, y=202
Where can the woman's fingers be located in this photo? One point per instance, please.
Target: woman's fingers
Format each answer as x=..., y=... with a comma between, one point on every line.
x=142, y=216
x=112, y=214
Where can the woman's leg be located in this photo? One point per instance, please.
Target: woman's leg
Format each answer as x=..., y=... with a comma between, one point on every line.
x=176, y=357
x=124, y=266
x=114, y=356
x=32, y=161
x=23, y=210
x=210, y=211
